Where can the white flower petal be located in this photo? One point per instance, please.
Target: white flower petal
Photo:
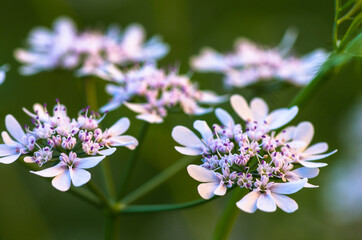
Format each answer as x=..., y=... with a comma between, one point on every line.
x=136, y=107
x=286, y=134
x=203, y=129
x=150, y=117
x=220, y=190
x=224, y=117
x=88, y=162
x=6, y=150
x=308, y=185
x=312, y=164
x=304, y=172
x=280, y=117
x=2, y=76
x=32, y=115
x=266, y=203
x=186, y=137
x=304, y=132
x=119, y=127
x=189, y=151
x=289, y=187
x=62, y=181
x=248, y=202
x=316, y=149
x=210, y=97
x=206, y=190
x=52, y=171
x=9, y=159
x=241, y=107
x=7, y=139
x=317, y=157
x=125, y=140
x=285, y=203
x=110, y=106
x=259, y=109
x=107, y=152
x=29, y=159
x=79, y=176
x=14, y=128
x=202, y=174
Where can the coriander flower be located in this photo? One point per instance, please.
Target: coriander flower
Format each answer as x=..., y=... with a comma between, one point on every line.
x=151, y=92
x=74, y=143
x=267, y=196
x=257, y=156
x=66, y=47
x=250, y=63
x=70, y=169
x=307, y=155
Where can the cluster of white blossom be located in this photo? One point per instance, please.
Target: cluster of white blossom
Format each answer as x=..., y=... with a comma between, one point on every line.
x=65, y=47
x=68, y=145
x=268, y=162
x=157, y=90
x=251, y=63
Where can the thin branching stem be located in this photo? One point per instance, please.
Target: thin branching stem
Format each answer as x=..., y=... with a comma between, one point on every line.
x=157, y=180
x=128, y=169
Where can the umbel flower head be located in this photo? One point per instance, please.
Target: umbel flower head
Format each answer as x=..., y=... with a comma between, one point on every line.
x=268, y=162
x=150, y=92
x=250, y=63
x=72, y=144
x=65, y=47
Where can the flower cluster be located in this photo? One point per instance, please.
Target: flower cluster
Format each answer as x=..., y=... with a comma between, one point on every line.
x=73, y=144
x=158, y=91
x=65, y=47
x=269, y=163
x=251, y=63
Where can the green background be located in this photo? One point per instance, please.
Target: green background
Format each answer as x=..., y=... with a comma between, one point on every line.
x=31, y=209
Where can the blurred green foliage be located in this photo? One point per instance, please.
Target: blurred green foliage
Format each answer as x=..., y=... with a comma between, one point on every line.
x=31, y=209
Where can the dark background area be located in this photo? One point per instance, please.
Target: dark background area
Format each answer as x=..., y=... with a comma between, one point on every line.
x=31, y=209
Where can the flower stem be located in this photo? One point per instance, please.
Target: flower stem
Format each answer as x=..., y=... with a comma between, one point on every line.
x=112, y=226
x=160, y=207
x=91, y=92
x=329, y=68
x=107, y=172
x=125, y=177
x=77, y=192
x=94, y=189
x=91, y=95
x=157, y=180
x=225, y=224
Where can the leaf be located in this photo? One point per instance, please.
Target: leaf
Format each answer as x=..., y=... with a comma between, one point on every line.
x=353, y=28
x=354, y=47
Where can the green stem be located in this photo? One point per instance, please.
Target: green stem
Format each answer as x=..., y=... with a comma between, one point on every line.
x=160, y=207
x=85, y=196
x=331, y=67
x=96, y=191
x=107, y=172
x=125, y=177
x=335, y=25
x=91, y=92
x=350, y=13
x=112, y=226
x=225, y=224
x=157, y=180
x=77, y=192
x=91, y=95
